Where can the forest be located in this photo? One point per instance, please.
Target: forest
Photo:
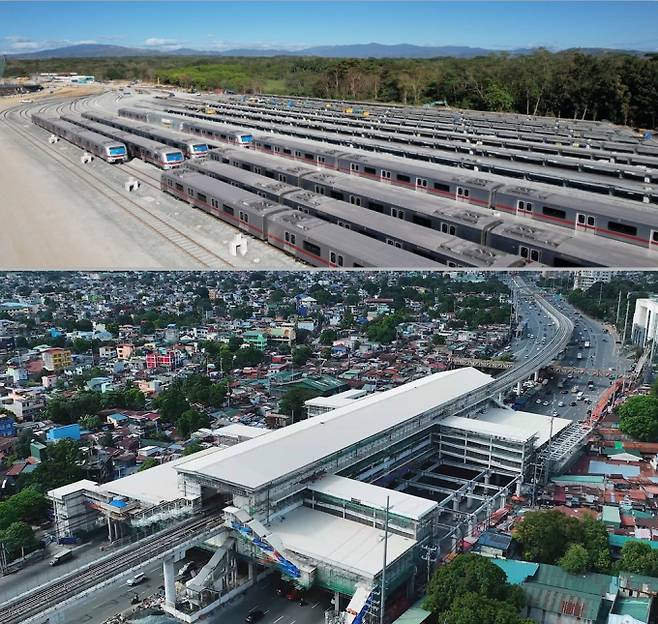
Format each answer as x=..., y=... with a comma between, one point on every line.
x=615, y=86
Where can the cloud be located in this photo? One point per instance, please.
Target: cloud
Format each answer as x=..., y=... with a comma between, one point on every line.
x=157, y=42
x=17, y=44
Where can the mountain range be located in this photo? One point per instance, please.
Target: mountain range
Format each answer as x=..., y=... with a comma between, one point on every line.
x=361, y=50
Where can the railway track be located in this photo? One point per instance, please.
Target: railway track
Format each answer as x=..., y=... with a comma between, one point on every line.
x=201, y=255
x=54, y=593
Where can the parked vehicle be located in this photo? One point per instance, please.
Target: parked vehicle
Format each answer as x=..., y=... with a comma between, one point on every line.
x=136, y=580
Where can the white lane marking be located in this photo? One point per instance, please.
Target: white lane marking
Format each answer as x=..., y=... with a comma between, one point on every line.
x=266, y=611
x=315, y=605
x=277, y=619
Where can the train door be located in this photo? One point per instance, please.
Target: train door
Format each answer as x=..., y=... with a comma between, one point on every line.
x=523, y=208
x=462, y=194
x=653, y=241
x=585, y=222
x=421, y=184
x=385, y=176
x=529, y=254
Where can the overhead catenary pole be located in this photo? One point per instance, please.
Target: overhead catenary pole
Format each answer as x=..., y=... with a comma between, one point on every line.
x=382, y=597
x=618, y=309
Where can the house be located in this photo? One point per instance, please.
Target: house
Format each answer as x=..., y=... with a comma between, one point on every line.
x=7, y=426
x=56, y=359
x=66, y=432
x=493, y=543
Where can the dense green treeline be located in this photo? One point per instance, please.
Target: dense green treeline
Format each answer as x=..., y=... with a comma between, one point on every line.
x=619, y=87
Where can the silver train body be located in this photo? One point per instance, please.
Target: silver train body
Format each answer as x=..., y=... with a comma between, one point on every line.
x=544, y=243
x=190, y=147
x=222, y=133
x=97, y=144
x=437, y=246
x=156, y=153
x=306, y=237
x=595, y=177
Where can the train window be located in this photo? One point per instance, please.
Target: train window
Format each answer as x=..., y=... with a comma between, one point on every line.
x=523, y=251
x=287, y=237
x=267, y=147
x=622, y=228
x=202, y=197
x=213, y=202
x=654, y=236
x=293, y=239
x=321, y=159
x=370, y=170
x=355, y=200
x=452, y=230
x=376, y=207
x=441, y=187
x=281, y=177
x=534, y=255
x=452, y=264
x=298, y=154
x=386, y=175
x=228, y=210
x=179, y=187
x=244, y=217
x=357, y=266
x=287, y=151
x=170, y=183
x=336, y=195
x=463, y=192
x=308, y=156
x=581, y=219
x=421, y=182
x=403, y=178
x=312, y=248
x=320, y=190
x=340, y=260
x=444, y=228
x=554, y=212
x=332, y=257
x=590, y=221
x=424, y=221
x=354, y=167
x=277, y=149
x=257, y=170
x=342, y=224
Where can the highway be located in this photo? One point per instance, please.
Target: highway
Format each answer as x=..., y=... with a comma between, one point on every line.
x=53, y=595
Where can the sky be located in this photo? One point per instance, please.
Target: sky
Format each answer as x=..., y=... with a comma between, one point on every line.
x=30, y=26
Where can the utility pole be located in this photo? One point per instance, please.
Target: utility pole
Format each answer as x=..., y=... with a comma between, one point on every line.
x=618, y=309
x=382, y=598
x=430, y=557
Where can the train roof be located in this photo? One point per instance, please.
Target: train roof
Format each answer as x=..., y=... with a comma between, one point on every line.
x=135, y=125
x=120, y=135
x=227, y=193
x=460, y=250
x=369, y=250
x=81, y=132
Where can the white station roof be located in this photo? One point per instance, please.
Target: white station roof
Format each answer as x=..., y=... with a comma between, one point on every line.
x=257, y=462
x=348, y=545
x=510, y=424
x=401, y=504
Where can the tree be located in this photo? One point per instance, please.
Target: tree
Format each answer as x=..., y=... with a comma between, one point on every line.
x=638, y=558
x=301, y=355
x=292, y=402
x=171, y=403
x=149, y=462
x=575, y=560
x=190, y=449
x=474, y=608
x=328, y=336
x=545, y=535
x=18, y=538
x=248, y=356
x=638, y=417
x=469, y=574
x=91, y=422
x=191, y=421
x=30, y=505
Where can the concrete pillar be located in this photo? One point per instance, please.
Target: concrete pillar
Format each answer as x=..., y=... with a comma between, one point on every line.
x=503, y=500
x=251, y=571
x=469, y=525
x=518, y=388
x=487, y=476
x=470, y=502
x=336, y=603
x=109, y=529
x=519, y=483
x=536, y=375
x=455, y=503
x=169, y=581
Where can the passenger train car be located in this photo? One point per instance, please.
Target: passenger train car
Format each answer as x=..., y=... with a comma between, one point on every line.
x=602, y=178
x=156, y=153
x=220, y=132
x=190, y=147
x=97, y=144
x=443, y=248
x=545, y=243
x=306, y=237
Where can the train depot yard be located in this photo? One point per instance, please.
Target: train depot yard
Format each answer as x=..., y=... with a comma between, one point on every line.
x=320, y=183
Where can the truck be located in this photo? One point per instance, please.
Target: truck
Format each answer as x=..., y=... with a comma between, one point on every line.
x=586, y=345
x=61, y=556
x=579, y=356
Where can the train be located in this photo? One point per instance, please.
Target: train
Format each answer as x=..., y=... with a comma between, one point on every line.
x=308, y=238
x=156, y=153
x=596, y=177
x=426, y=226
x=224, y=133
x=441, y=247
x=191, y=148
x=97, y=144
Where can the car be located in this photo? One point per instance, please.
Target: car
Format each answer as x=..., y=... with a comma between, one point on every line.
x=136, y=580
x=294, y=594
x=254, y=615
x=545, y=403
x=573, y=404
x=538, y=401
x=560, y=404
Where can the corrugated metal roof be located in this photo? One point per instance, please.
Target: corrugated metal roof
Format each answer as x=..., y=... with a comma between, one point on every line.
x=257, y=462
x=567, y=602
x=517, y=571
x=637, y=608
x=610, y=514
